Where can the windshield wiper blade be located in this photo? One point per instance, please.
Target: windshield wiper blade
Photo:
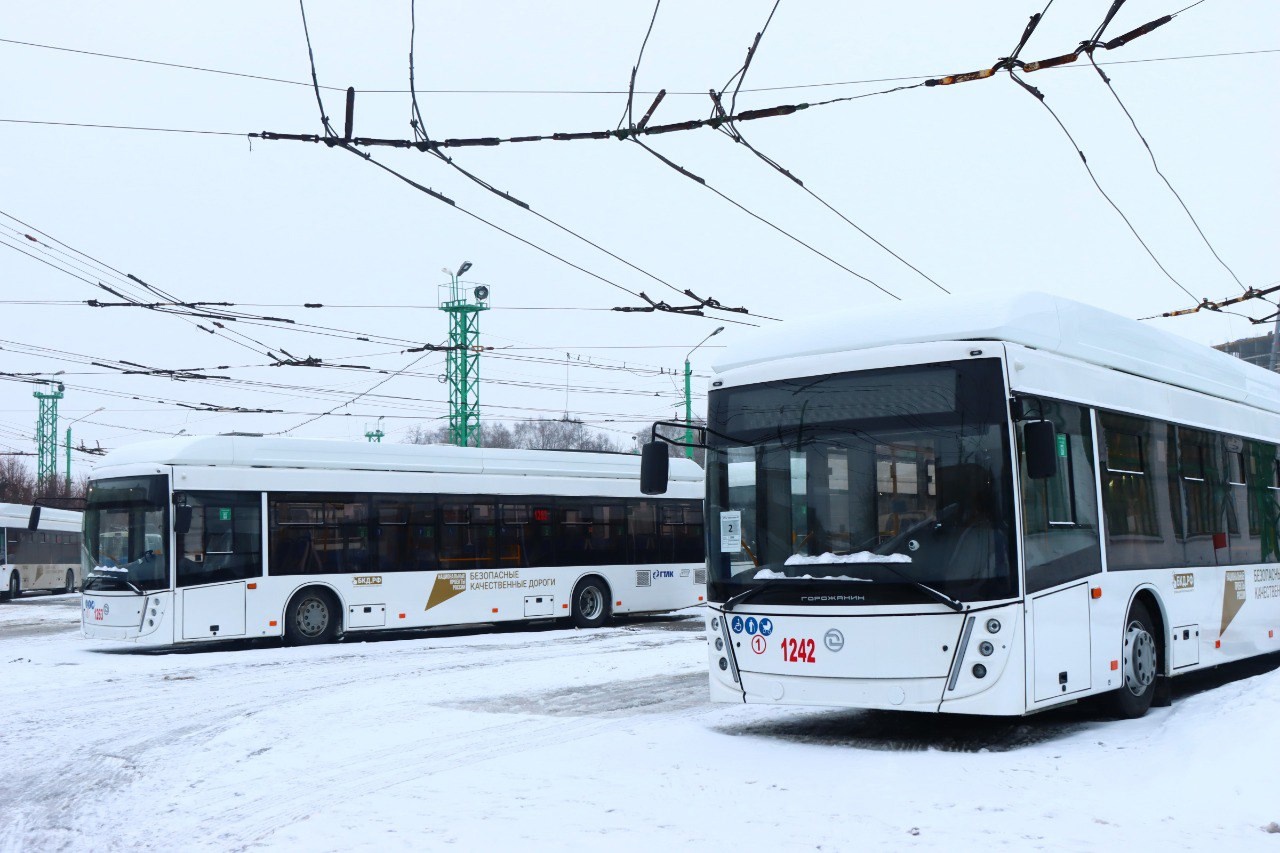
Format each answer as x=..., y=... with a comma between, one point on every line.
x=751, y=593
x=937, y=595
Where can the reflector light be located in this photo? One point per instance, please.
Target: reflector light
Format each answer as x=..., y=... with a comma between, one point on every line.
x=1217, y=644
x=542, y=515
x=1096, y=592
x=1270, y=634
x=699, y=598
x=272, y=623
x=495, y=610
x=1115, y=664
x=617, y=604
x=253, y=586
x=564, y=607
x=401, y=615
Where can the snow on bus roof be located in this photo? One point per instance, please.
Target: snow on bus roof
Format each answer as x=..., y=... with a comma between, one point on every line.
x=1039, y=320
x=274, y=452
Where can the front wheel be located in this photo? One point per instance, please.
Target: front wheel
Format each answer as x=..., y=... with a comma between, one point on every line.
x=311, y=618
x=1139, y=665
x=590, y=603
x=15, y=586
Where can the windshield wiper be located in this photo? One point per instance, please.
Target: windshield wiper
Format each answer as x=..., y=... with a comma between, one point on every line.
x=112, y=577
x=751, y=593
x=937, y=595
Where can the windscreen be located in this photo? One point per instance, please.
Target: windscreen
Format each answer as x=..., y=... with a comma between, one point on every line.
x=856, y=488
x=125, y=534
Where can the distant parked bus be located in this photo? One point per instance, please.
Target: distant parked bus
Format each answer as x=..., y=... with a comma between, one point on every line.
x=45, y=559
x=986, y=507
x=210, y=538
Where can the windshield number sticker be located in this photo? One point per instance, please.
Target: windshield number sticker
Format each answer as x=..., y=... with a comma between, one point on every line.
x=798, y=650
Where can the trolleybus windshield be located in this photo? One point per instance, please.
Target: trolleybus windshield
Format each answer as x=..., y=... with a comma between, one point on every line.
x=855, y=488
x=124, y=535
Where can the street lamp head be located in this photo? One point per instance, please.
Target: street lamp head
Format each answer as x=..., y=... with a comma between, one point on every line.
x=466, y=265
x=718, y=330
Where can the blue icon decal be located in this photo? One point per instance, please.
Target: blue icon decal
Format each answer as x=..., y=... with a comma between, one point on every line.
x=752, y=625
x=737, y=624
x=766, y=627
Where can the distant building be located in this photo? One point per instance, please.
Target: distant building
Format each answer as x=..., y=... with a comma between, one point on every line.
x=1253, y=350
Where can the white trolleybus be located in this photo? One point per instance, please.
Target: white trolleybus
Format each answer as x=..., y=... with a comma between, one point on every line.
x=210, y=538
x=40, y=550
x=985, y=509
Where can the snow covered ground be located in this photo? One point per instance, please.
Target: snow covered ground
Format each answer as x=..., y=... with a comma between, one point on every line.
x=561, y=739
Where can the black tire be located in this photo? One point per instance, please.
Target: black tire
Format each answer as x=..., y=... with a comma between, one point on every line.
x=1139, y=665
x=590, y=606
x=70, y=586
x=311, y=618
x=15, y=586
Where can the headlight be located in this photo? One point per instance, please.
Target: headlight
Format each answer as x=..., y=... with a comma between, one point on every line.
x=985, y=648
x=993, y=626
x=979, y=671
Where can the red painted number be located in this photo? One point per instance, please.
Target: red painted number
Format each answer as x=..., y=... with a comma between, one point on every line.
x=798, y=651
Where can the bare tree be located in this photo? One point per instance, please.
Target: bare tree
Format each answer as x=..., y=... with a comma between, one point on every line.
x=542, y=434
x=677, y=434
x=19, y=485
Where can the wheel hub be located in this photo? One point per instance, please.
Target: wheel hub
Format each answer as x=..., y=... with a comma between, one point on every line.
x=590, y=602
x=313, y=617
x=1139, y=659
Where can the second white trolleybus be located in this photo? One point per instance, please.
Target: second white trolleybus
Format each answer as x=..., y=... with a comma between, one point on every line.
x=211, y=538
x=985, y=508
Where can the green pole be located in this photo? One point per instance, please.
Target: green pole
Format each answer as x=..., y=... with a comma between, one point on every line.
x=68, y=460
x=688, y=411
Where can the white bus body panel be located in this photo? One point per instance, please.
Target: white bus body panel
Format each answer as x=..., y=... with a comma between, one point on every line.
x=410, y=599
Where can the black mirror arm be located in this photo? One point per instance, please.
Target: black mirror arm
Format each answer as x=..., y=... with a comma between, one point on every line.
x=703, y=430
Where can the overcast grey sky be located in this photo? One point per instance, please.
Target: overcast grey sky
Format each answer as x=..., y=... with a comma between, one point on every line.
x=973, y=184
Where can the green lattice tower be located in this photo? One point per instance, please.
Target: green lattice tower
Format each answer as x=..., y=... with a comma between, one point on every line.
x=47, y=435
x=462, y=362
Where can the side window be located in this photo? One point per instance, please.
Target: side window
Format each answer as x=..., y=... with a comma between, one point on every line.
x=1262, y=493
x=224, y=542
x=314, y=534
x=1060, y=513
x=405, y=533
x=468, y=534
x=681, y=531
x=1141, y=497
x=642, y=530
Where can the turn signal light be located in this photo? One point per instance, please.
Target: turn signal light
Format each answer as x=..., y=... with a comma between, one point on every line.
x=1096, y=592
x=253, y=586
x=272, y=623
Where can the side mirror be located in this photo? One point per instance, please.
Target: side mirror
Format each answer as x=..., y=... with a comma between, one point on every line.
x=654, y=465
x=34, y=521
x=182, y=519
x=1040, y=443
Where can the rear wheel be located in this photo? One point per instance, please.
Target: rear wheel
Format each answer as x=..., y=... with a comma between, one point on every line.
x=311, y=618
x=15, y=586
x=1139, y=665
x=70, y=585
x=590, y=603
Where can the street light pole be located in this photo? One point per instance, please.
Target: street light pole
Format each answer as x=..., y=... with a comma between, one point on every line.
x=76, y=421
x=688, y=395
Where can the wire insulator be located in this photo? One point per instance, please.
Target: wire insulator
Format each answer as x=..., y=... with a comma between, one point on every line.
x=1053, y=62
x=1121, y=41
